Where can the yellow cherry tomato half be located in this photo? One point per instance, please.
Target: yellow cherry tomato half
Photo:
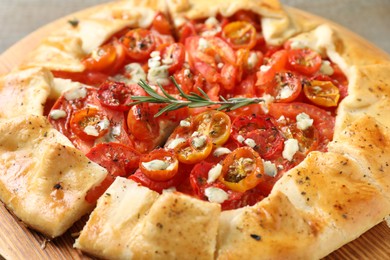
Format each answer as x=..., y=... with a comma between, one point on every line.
x=322, y=93
x=197, y=148
x=240, y=34
x=242, y=169
x=215, y=124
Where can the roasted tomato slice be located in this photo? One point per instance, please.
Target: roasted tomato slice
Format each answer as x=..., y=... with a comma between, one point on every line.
x=89, y=123
x=117, y=95
x=276, y=63
x=108, y=58
x=240, y=34
x=159, y=165
x=260, y=133
x=141, y=122
x=322, y=93
x=161, y=24
x=242, y=169
x=322, y=120
x=138, y=43
x=118, y=159
x=214, y=59
x=215, y=124
x=173, y=56
x=304, y=61
x=195, y=149
x=285, y=87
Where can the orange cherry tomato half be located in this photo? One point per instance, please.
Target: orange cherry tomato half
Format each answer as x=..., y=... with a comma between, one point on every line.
x=305, y=61
x=242, y=169
x=141, y=122
x=215, y=124
x=322, y=93
x=240, y=34
x=195, y=149
x=138, y=43
x=101, y=58
x=89, y=123
x=159, y=165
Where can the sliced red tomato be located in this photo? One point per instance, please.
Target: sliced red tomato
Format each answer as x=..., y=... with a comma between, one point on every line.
x=285, y=87
x=185, y=31
x=305, y=61
x=96, y=192
x=322, y=120
x=89, y=123
x=161, y=24
x=242, y=169
x=101, y=58
x=138, y=43
x=91, y=78
x=240, y=34
x=159, y=186
x=159, y=165
x=276, y=63
x=248, y=16
x=209, y=56
x=322, y=93
x=195, y=149
x=215, y=124
x=118, y=159
x=141, y=122
x=173, y=56
x=262, y=132
x=117, y=95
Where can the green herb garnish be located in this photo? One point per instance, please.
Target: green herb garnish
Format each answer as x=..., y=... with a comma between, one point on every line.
x=191, y=100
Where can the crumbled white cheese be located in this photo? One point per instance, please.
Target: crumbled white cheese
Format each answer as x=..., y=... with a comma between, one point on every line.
x=176, y=142
x=290, y=148
x=216, y=195
x=285, y=92
x=281, y=119
x=154, y=54
x=214, y=173
x=220, y=65
x=57, y=114
x=154, y=63
x=250, y=142
x=240, y=138
x=199, y=141
x=104, y=124
x=268, y=99
x=296, y=44
x=133, y=74
x=270, y=168
x=326, y=68
x=156, y=165
x=185, y=123
x=91, y=130
x=211, y=21
x=221, y=151
x=75, y=93
x=264, y=68
x=203, y=44
x=158, y=75
x=179, y=21
x=304, y=121
x=187, y=72
x=116, y=130
x=252, y=60
x=196, y=133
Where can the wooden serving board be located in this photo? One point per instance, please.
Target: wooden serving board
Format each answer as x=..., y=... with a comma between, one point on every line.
x=19, y=242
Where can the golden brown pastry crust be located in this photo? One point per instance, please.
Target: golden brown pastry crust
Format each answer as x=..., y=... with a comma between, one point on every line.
x=43, y=178
x=302, y=218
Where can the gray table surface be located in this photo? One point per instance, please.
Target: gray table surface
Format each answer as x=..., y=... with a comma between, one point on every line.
x=370, y=19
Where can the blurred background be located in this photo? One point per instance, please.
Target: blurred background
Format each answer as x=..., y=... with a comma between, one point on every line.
x=370, y=19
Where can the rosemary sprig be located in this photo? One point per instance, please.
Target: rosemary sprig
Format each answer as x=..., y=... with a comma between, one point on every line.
x=191, y=100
